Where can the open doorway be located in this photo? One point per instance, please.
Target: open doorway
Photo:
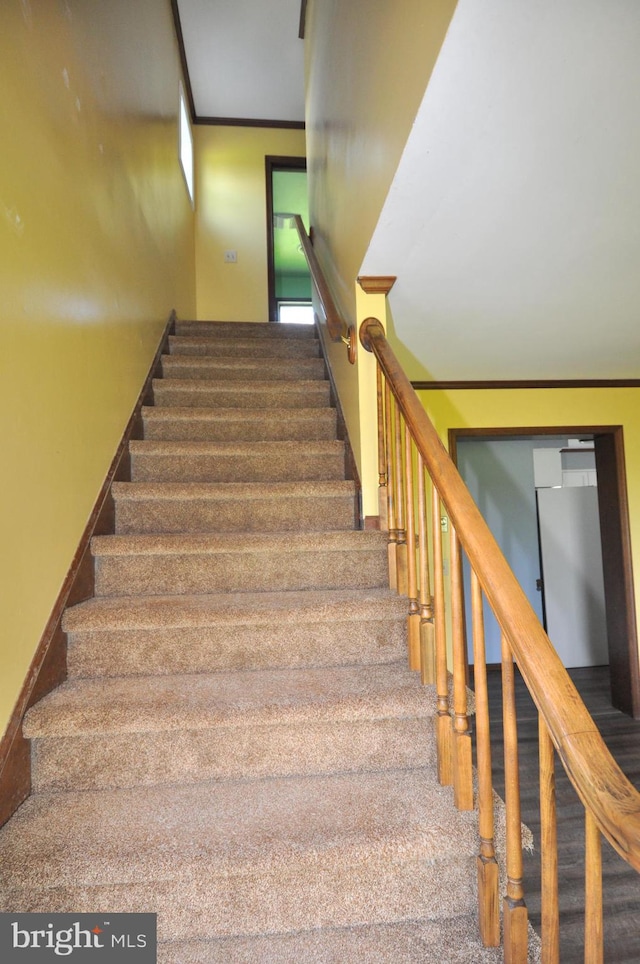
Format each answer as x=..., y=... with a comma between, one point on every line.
x=288, y=274
x=498, y=467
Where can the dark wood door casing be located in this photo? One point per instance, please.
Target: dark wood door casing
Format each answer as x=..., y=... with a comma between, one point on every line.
x=622, y=635
x=276, y=163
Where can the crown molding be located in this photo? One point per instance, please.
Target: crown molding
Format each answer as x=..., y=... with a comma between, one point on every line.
x=377, y=284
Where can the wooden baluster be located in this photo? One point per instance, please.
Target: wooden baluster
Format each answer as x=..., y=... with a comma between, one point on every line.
x=443, y=719
x=549, y=848
x=391, y=490
x=462, y=750
x=488, y=872
x=401, y=550
x=427, y=640
x=382, y=454
x=593, y=927
x=514, y=909
x=413, y=619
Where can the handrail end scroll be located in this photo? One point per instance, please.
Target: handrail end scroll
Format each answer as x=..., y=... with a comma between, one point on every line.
x=369, y=328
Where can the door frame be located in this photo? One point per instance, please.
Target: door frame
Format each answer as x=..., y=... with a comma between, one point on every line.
x=273, y=162
x=615, y=534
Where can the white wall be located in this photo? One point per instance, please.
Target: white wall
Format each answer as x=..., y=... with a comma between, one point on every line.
x=499, y=475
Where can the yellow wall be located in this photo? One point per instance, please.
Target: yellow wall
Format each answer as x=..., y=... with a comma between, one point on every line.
x=231, y=215
x=570, y=408
x=96, y=248
x=367, y=67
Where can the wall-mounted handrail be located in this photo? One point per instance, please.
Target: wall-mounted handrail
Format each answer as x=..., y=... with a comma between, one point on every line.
x=338, y=329
x=611, y=803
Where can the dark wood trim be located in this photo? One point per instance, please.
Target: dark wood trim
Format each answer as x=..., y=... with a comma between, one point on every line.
x=303, y=19
x=622, y=633
x=376, y=284
x=618, y=572
x=372, y=522
x=224, y=121
x=535, y=383
x=183, y=59
x=249, y=122
x=49, y=665
x=522, y=432
x=274, y=162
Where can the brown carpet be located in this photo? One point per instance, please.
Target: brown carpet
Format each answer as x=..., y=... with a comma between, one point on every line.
x=240, y=746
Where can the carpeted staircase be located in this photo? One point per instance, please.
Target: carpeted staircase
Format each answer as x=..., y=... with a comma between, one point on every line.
x=240, y=746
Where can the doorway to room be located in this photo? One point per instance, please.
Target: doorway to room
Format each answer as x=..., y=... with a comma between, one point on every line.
x=289, y=279
x=540, y=508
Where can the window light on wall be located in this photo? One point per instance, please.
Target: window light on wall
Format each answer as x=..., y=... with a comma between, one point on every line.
x=186, y=144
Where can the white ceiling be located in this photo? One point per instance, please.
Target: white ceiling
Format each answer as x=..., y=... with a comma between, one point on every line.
x=245, y=58
x=513, y=222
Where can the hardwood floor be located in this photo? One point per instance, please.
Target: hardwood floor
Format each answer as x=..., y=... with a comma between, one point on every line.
x=621, y=884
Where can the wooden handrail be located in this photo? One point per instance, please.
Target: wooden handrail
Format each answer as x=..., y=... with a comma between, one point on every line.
x=607, y=795
x=337, y=327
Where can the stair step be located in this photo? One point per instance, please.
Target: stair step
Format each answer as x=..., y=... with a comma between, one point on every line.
x=243, y=347
x=138, y=635
x=247, y=329
x=173, y=461
x=153, y=730
x=233, y=507
x=240, y=746
x=238, y=424
x=263, y=369
x=201, y=392
x=404, y=942
x=244, y=858
x=199, y=563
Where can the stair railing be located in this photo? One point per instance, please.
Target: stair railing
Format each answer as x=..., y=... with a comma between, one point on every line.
x=338, y=330
x=417, y=475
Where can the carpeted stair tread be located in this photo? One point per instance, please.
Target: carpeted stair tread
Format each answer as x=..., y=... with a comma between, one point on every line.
x=223, y=450
x=238, y=424
x=229, y=699
x=138, y=635
x=228, y=393
x=233, y=608
x=262, y=369
x=246, y=329
x=229, y=491
x=247, y=857
x=233, y=506
x=231, y=829
x=174, y=563
x=226, y=346
x=188, y=729
x=252, y=542
x=198, y=461
x=452, y=941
